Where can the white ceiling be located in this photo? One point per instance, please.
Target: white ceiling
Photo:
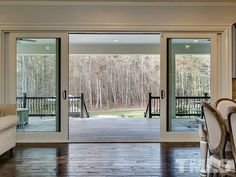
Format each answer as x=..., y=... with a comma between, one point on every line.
x=114, y=38
x=109, y=39
x=125, y=39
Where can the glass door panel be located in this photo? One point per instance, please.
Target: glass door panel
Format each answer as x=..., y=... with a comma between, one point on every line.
x=38, y=87
x=189, y=75
x=37, y=77
x=188, y=81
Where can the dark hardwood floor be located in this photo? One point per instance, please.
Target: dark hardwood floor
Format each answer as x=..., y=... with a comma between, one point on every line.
x=102, y=159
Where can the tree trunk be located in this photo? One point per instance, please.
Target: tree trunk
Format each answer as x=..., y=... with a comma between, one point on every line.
x=127, y=86
x=142, y=82
x=100, y=94
x=89, y=84
x=112, y=86
x=97, y=103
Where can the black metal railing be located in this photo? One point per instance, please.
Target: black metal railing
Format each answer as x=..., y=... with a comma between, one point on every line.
x=185, y=106
x=38, y=106
x=77, y=106
x=153, y=106
x=46, y=106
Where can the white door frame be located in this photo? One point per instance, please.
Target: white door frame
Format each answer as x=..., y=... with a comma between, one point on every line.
x=167, y=136
x=224, y=68
x=10, y=91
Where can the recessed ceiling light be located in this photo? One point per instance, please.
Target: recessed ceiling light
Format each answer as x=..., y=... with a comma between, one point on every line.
x=187, y=47
x=47, y=47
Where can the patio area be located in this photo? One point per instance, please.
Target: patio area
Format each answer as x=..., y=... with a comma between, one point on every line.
x=114, y=129
x=109, y=128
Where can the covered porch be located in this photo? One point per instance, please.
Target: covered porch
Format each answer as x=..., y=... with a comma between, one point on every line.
x=108, y=128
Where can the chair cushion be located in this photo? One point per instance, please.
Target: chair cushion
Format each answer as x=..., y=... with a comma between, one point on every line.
x=7, y=122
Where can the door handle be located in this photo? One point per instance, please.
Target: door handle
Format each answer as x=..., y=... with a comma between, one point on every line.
x=162, y=94
x=64, y=94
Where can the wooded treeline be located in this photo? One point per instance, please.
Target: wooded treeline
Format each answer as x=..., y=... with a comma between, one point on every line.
x=192, y=74
x=109, y=80
x=36, y=75
x=114, y=80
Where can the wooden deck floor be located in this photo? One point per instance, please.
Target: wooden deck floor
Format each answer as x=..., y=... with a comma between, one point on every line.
x=114, y=129
x=109, y=128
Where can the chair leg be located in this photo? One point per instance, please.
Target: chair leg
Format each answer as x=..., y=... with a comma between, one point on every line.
x=203, y=152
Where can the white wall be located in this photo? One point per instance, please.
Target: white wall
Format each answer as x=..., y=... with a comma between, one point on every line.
x=117, y=17
x=114, y=14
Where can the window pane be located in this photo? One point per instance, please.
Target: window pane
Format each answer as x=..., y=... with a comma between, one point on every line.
x=37, y=84
x=188, y=82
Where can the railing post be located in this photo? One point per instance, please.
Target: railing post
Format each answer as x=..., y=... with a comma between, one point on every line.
x=150, y=105
x=205, y=95
x=82, y=105
x=24, y=100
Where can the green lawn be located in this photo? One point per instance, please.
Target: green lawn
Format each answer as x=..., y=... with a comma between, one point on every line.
x=135, y=112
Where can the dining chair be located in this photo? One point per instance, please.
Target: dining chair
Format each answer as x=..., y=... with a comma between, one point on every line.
x=232, y=130
x=223, y=104
x=216, y=131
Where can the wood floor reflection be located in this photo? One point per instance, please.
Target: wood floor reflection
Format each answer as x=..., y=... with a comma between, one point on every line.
x=102, y=159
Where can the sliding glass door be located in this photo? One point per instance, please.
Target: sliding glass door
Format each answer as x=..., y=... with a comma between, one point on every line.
x=188, y=70
x=37, y=79
x=41, y=88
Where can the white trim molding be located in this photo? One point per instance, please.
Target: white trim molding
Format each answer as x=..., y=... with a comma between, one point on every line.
x=143, y=3
x=111, y=27
x=1, y=71
x=226, y=57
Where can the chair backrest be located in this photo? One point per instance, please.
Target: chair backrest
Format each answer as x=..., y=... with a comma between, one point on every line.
x=223, y=104
x=232, y=128
x=216, y=130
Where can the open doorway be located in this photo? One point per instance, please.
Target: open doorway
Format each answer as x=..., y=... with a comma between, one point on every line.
x=113, y=78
